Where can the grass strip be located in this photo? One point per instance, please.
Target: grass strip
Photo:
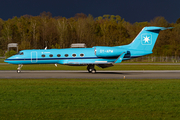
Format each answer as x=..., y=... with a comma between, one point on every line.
x=89, y=99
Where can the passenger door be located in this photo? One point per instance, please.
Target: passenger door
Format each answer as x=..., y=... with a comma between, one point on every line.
x=34, y=57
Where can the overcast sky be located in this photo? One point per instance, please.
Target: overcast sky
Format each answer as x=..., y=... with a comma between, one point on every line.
x=130, y=10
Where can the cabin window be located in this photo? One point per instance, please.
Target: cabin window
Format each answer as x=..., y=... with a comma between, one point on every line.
x=21, y=53
x=74, y=55
x=50, y=55
x=82, y=55
x=66, y=55
x=58, y=55
x=43, y=55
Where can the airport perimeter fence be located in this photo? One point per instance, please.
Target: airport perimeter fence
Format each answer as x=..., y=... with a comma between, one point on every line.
x=172, y=59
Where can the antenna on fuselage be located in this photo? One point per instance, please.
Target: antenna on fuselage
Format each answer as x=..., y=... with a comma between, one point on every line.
x=46, y=45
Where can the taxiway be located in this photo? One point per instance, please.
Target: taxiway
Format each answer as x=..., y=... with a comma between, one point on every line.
x=132, y=74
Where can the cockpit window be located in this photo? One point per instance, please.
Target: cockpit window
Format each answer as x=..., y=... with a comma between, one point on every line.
x=20, y=53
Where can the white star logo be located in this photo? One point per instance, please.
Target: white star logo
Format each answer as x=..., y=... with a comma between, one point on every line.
x=146, y=39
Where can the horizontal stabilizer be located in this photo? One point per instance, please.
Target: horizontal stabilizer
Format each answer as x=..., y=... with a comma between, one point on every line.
x=157, y=28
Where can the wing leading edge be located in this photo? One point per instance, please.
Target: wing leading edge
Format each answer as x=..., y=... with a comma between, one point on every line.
x=102, y=64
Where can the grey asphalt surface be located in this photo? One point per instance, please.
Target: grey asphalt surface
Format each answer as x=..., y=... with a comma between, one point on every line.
x=132, y=74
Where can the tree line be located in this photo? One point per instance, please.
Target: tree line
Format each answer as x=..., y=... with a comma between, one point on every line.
x=34, y=32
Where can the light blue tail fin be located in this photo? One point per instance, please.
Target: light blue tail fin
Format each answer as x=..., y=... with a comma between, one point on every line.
x=146, y=39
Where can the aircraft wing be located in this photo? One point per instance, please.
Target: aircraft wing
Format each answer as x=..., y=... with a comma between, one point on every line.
x=90, y=63
x=102, y=64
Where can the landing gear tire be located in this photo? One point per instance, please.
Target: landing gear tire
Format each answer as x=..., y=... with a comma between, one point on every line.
x=19, y=68
x=90, y=70
x=93, y=71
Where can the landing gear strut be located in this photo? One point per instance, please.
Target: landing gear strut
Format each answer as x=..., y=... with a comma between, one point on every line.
x=91, y=69
x=19, y=68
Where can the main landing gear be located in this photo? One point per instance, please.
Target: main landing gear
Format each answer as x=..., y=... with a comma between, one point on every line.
x=19, y=68
x=91, y=69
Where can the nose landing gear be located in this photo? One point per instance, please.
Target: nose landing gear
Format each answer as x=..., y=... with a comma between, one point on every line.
x=91, y=69
x=19, y=68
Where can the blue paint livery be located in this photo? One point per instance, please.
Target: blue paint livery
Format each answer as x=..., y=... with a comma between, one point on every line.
x=102, y=56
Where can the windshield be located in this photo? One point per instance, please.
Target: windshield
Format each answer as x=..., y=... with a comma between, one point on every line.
x=20, y=53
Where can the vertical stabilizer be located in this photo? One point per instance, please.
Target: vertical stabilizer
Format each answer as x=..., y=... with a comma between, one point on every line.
x=146, y=39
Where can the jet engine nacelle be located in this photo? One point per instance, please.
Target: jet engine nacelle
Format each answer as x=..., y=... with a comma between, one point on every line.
x=108, y=51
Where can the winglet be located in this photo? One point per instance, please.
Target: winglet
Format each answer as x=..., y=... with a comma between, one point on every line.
x=120, y=58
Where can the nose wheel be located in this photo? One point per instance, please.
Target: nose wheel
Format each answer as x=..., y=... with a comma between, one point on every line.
x=19, y=68
x=91, y=69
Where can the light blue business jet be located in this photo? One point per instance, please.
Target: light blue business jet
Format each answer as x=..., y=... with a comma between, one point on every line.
x=102, y=56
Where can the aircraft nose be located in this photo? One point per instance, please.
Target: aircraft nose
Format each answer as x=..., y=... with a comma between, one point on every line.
x=9, y=60
x=5, y=60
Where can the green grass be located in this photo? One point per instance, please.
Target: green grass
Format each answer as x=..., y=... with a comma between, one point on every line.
x=65, y=67
x=1, y=60
x=89, y=99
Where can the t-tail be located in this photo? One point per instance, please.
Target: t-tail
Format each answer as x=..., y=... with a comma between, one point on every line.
x=144, y=42
x=146, y=39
